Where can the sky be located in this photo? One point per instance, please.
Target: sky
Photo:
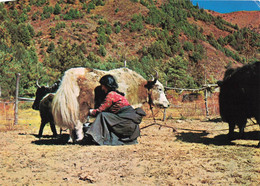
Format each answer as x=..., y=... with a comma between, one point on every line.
x=221, y=6
x=227, y=6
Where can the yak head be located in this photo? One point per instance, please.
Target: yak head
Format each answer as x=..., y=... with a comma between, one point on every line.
x=156, y=93
x=43, y=91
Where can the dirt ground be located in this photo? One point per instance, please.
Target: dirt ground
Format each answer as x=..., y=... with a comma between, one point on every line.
x=175, y=152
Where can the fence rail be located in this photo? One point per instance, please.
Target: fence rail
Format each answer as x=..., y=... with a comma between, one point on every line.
x=202, y=107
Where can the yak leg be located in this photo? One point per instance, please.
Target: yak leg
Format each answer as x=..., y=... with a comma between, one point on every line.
x=53, y=129
x=43, y=123
x=79, y=131
x=73, y=136
x=231, y=130
x=241, y=126
x=76, y=134
x=258, y=121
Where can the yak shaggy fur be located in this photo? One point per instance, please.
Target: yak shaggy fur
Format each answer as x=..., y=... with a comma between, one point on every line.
x=239, y=96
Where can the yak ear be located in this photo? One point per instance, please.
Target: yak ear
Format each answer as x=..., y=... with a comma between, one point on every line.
x=220, y=83
x=150, y=84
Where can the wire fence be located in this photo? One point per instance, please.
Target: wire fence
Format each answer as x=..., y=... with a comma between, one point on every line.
x=7, y=113
x=188, y=104
x=184, y=104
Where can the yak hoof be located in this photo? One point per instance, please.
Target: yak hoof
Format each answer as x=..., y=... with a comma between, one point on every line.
x=258, y=146
x=39, y=136
x=70, y=140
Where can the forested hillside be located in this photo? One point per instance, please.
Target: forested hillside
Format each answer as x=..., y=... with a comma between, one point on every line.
x=187, y=46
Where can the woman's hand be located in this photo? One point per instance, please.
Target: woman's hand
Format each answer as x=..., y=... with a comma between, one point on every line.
x=90, y=112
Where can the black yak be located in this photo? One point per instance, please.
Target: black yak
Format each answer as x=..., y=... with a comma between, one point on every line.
x=43, y=101
x=46, y=114
x=239, y=97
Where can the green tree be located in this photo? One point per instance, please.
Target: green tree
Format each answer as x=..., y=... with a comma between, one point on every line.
x=57, y=9
x=102, y=39
x=65, y=56
x=157, y=49
x=177, y=75
x=117, y=29
x=102, y=51
x=51, y=47
x=188, y=46
x=53, y=33
x=23, y=34
x=19, y=60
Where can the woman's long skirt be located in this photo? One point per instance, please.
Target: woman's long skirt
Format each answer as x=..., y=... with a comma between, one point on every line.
x=111, y=129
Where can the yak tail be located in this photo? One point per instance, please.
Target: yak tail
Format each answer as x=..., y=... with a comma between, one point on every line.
x=65, y=106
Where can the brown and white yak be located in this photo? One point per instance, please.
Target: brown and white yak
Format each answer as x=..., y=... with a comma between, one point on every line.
x=76, y=95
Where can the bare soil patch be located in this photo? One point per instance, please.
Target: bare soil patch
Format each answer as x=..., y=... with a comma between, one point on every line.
x=195, y=154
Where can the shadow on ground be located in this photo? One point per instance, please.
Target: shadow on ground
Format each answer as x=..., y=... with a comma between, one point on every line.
x=50, y=140
x=222, y=139
x=61, y=140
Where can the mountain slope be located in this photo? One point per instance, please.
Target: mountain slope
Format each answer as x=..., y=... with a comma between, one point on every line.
x=183, y=43
x=249, y=19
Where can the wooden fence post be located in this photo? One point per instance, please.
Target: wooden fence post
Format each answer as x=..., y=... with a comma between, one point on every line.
x=16, y=98
x=206, y=101
x=164, y=112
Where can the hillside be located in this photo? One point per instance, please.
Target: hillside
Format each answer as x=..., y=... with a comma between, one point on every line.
x=249, y=19
x=183, y=43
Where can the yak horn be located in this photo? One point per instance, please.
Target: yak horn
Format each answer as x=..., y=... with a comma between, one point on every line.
x=156, y=74
x=156, y=77
x=37, y=84
x=151, y=76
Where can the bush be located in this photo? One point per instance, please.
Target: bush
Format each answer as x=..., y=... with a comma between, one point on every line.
x=102, y=39
x=188, y=46
x=35, y=16
x=48, y=9
x=53, y=33
x=39, y=34
x=157, y=49
x=93, y=58
x=108, y=30
x=31, y=30
x=195, y=57
x=102, y=51
x=117, y=29
x=57, y=9
x=50, y=48
x=72, y=14
x=60, y=25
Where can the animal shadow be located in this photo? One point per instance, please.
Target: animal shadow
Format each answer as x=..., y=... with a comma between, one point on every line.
x=49, y=140
x=219, y=140
x=62, y=140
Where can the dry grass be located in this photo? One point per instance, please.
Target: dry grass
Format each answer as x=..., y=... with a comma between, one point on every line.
x=197, y=154
x=26, y=117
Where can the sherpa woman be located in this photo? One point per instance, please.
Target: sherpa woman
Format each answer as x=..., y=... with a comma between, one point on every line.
x=117, y=122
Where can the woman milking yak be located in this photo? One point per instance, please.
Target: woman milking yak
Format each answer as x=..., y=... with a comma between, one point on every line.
x=117, y=122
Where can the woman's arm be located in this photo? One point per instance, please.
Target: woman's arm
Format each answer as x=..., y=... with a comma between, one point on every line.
x=108, y=102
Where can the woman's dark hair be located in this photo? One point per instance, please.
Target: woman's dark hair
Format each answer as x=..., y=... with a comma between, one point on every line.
x=110, y=82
